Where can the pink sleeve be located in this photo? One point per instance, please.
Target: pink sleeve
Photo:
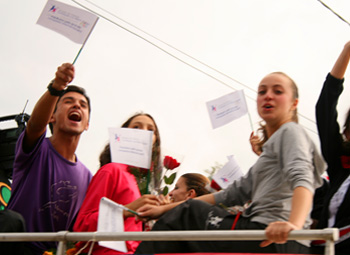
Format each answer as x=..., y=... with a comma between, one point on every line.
x=100, y=186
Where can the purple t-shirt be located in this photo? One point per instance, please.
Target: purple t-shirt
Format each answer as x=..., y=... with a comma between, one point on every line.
x=47, y=189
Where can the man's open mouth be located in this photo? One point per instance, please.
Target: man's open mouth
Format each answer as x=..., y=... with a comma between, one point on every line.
x=74, y=116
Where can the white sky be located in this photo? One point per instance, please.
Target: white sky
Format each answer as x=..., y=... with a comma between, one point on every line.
x=124, y=74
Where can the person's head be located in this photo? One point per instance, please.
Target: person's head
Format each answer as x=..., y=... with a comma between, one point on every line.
x=142, y=121
x=277, y=99
x=72, y=111
x=346, y=131
x=188, y=186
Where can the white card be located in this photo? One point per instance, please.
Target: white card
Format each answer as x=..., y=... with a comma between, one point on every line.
x=131, y=146
x=228, y=173
x=227, y=108
x=110, y=219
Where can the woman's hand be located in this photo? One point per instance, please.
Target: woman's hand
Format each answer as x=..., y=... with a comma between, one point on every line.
x=277, y=232
x=142, y=201
x=148, y=212
x=163, y=200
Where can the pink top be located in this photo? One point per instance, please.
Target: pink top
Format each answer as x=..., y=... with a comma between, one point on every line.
x=116, y=183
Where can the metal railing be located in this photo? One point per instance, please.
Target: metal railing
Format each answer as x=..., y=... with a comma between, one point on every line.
x=330, y=235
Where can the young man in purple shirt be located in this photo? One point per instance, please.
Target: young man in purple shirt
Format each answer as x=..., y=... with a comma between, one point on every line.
x=49, y=182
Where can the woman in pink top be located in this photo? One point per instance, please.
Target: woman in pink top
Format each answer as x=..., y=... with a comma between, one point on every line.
x=116, y=182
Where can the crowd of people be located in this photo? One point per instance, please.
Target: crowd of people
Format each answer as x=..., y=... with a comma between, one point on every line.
x=53, y=191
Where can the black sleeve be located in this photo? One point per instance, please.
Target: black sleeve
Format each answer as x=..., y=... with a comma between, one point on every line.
x=327, y=125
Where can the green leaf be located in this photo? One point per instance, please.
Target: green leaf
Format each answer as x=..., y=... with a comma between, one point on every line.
x=165, y=191
x=169, y=180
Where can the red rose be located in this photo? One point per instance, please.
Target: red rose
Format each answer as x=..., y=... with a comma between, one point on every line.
x=170, y=163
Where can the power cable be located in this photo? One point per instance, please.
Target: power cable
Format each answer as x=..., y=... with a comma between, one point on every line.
x=165, y=43
x=176, y=49
x=336, y=14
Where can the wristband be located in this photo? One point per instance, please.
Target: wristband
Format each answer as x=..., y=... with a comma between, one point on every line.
x=53, y=91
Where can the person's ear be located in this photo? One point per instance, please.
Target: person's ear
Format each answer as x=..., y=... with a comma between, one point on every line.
x=295, y=104
x=192, y=193
x=52, y=119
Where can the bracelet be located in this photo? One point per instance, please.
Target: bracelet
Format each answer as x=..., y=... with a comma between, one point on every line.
x=53, y=91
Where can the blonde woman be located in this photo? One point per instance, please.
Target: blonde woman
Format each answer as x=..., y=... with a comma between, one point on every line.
x=280, y=186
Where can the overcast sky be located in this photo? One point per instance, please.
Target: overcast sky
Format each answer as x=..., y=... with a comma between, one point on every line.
x=241, y=41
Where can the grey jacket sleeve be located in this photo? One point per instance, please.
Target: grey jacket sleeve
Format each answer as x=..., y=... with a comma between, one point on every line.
x=238, y=193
